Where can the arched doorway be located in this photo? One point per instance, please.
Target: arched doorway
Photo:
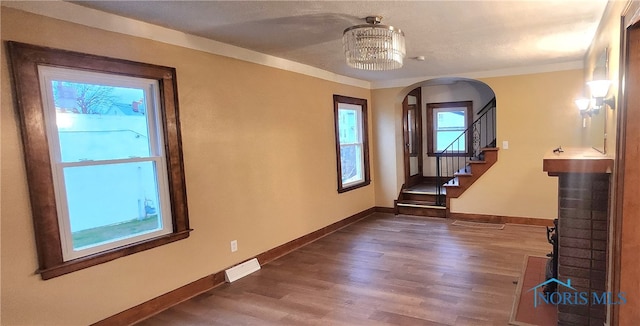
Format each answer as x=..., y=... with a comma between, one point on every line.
x=447, y=122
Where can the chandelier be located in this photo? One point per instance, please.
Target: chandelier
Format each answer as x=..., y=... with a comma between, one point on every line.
x=374, y=46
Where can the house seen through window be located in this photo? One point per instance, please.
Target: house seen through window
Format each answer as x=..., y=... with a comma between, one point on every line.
x=450, y=124
x=103, y=153
x=107, y=159
x=447, y=123
x=350, y=143
x=351, y=139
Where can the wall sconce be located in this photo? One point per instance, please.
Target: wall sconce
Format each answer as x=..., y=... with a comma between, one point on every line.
x=584, y=105
x=599, y=90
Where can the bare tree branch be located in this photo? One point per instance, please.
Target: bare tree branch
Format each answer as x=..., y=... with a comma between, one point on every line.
x=88, y=98
x=93, y=99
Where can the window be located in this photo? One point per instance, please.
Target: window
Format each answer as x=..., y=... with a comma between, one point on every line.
x=104, y=132
x=352, y=149
x=446, y=122
x=107, y=159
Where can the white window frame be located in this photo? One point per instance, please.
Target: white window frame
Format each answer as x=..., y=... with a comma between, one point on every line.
x=432, y=128
x=437, y=129
x=359, y=144
x=362, y=147
x=156, y=145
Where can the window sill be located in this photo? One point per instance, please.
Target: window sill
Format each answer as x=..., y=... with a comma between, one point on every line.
x=109, y=255
x=352, y=187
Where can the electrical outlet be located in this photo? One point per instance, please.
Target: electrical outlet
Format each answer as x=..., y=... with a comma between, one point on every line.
x=234, y=245
x=505, y=144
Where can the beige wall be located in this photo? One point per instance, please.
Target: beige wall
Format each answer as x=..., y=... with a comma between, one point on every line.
x=535, y=113
x=259, y=156
x=607, y=36
x=388, y=160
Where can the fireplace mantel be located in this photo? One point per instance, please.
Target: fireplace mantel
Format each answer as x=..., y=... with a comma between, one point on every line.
x=583, y=218
x=576, y=160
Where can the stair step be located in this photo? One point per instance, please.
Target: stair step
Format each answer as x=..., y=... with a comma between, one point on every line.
x=418, y=192
x=455, y=182
x=421, y=205
x=421, y=210
x=417, y=202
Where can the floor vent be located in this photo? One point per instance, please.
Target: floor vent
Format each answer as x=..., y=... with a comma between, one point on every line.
x=239, y=271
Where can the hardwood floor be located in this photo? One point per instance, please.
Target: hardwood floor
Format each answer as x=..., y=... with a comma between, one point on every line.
x=383, y=270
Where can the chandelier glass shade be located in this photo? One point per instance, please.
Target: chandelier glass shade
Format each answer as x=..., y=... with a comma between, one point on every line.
x=373, y=46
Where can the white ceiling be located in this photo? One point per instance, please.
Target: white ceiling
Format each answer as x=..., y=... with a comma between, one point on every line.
x=455, y=37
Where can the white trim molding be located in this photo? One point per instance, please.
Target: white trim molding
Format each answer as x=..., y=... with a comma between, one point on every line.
x=571, y=65
x=110, y=22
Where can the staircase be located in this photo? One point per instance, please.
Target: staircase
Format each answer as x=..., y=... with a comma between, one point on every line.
x=422, y=199
x=465, y=177
x=458, y=166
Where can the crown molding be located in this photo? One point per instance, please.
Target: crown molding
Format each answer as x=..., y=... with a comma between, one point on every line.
x=570, y=65
x=110, y=22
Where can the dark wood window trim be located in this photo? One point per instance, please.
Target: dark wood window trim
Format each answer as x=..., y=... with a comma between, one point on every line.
x=337, y=99
x=430, y=137
x=25, y=59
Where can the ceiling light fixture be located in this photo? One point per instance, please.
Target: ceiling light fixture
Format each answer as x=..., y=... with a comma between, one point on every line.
x=374, y=46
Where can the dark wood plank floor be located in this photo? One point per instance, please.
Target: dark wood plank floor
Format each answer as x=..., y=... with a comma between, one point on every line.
x=383, y=270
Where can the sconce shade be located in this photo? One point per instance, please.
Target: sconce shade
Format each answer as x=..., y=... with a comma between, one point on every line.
x=599, y=88
x=583, y=104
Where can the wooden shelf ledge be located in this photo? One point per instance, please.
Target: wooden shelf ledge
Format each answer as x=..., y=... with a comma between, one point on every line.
x=576, y=160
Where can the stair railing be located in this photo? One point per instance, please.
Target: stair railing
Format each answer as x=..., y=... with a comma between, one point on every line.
x=467, y=147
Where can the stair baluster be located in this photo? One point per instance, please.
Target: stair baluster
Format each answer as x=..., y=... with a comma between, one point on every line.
x=453, y=162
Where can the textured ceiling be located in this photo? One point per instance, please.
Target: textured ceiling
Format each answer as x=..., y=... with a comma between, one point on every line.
x=455, y=37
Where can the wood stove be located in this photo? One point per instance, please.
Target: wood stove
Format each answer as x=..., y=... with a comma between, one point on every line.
x=552, y=265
